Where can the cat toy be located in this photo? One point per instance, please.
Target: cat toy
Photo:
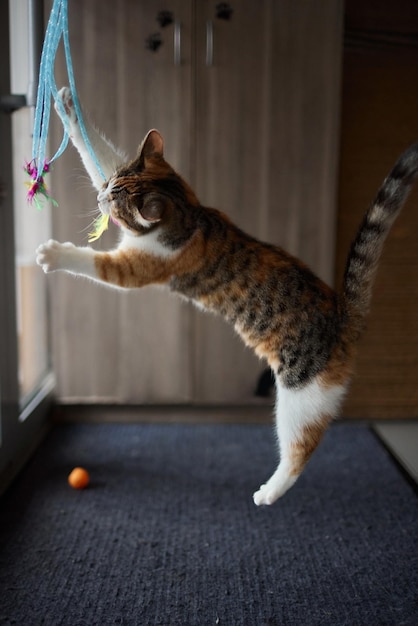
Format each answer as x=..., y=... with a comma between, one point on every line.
x=39, y=165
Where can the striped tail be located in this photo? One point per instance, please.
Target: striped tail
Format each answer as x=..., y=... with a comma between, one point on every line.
x=367, y=246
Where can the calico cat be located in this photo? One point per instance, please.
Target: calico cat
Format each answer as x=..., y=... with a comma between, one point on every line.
x=304, y=329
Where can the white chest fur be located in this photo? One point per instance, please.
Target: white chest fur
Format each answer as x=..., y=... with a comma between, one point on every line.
x=149, y=243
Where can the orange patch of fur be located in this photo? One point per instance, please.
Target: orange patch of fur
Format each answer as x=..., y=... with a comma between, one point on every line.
x=132, y=268
x=340, y=366
x=302, y=449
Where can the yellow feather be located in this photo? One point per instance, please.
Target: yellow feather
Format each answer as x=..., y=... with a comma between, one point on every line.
x=100, y=225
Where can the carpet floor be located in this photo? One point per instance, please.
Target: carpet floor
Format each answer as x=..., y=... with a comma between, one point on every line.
x=167, y=533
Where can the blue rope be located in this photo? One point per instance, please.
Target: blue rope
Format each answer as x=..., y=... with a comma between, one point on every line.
x=57, y=28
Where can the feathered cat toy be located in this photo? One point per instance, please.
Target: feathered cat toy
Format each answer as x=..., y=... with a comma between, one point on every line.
x=39, y=166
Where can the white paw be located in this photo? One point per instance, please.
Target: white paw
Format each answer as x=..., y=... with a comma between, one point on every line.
x=264, y=495
x=51, y=255
x=65, y=106
x=276, y=486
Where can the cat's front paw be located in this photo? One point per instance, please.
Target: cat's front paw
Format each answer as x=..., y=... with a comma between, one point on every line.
x=52, y=254
x=64, y=106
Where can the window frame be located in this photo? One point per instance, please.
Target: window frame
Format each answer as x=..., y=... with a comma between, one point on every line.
x=22, y=426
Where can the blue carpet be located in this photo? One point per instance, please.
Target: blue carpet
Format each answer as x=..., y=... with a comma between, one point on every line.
x=167, y=533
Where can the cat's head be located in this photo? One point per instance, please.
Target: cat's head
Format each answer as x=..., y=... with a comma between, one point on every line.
x=147, y=193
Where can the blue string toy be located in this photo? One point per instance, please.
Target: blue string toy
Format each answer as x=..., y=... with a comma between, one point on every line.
x=56, y=30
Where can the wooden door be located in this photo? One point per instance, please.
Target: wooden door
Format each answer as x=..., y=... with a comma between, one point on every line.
x=231, y=76
x=267, y=121
x=113, y=346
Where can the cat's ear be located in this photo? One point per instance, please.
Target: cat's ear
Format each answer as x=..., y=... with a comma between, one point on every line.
x=153, y=208
x=152, y=146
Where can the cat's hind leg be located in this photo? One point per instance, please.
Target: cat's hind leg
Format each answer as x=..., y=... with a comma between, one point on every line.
x=302, y=416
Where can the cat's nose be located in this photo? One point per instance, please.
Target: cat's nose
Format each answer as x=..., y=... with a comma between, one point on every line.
x=103, y=201
x=101, y=196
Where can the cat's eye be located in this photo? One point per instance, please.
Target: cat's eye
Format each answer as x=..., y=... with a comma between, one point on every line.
x=117, y=189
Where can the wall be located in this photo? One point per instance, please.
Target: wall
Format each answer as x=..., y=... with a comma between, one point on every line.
x=379, y=120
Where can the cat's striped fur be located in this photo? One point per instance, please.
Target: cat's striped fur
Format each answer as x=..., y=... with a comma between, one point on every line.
x=306, y=331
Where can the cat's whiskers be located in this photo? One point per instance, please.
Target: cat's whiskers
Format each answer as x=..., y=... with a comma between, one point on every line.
x=94, y=213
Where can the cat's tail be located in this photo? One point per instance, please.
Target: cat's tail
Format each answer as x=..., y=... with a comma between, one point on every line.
x=367, y=246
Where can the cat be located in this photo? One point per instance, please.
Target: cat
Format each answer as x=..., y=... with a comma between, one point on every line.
x=306, y=331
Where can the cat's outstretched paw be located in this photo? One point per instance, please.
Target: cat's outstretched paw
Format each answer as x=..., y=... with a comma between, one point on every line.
x=52, y=254
x=64, y=106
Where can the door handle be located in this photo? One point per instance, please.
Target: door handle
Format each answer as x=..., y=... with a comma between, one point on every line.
x=209, y=43
x=177, y=43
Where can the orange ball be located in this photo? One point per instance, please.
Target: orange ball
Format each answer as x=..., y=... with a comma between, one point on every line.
x=79, y=478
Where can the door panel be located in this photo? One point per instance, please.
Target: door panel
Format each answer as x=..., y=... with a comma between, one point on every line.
x=231, y=159
x=108, y=345
x=266, y=149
